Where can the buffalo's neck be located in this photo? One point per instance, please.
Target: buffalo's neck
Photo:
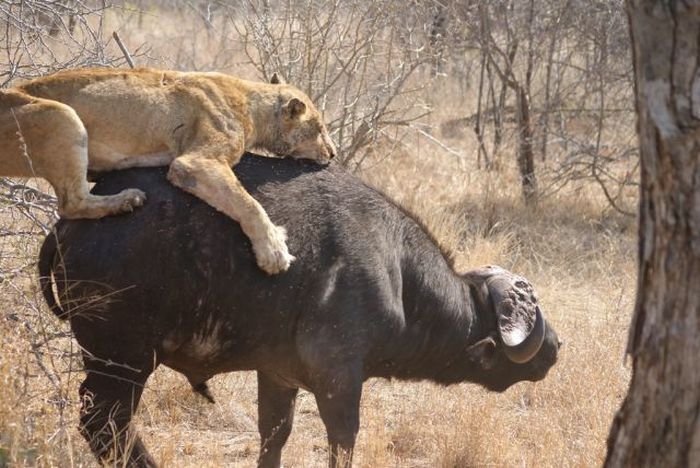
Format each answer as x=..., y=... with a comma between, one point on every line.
x=439, y=313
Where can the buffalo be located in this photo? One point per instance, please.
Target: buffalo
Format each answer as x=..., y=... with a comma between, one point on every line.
x=370, y=295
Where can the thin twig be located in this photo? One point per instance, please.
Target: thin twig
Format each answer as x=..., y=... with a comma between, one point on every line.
x=124, y=50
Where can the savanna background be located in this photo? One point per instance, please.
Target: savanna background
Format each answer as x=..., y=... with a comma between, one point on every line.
x=507, y=126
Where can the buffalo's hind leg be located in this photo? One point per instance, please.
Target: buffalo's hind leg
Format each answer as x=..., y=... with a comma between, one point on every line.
x=275, y=419
x=109, y=399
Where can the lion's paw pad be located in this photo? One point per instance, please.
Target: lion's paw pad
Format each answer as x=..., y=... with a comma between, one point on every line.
x=273, y=256
x=132, y=198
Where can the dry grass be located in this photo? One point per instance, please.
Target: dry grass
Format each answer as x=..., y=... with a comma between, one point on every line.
x=579, y=254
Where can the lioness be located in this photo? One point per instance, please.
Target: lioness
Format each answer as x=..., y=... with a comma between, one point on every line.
x=59, y=126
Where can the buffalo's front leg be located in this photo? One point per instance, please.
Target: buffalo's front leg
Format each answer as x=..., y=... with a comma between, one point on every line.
x=109, y=399
x=275, y=419
x=338, y=399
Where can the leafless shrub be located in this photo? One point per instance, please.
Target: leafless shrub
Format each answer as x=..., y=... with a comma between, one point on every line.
x=541, y=65
x=355, y=59
x=43, y=36
x=27, y=214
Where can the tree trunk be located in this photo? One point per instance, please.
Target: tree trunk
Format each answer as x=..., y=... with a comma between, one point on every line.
x=526, y=159
x=658, y=424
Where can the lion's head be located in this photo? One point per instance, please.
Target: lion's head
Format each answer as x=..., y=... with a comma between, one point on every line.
x=302, y=133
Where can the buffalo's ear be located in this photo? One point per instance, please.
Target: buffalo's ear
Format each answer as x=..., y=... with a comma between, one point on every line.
x=483, y=352
x=276, y=79
x=294, y=108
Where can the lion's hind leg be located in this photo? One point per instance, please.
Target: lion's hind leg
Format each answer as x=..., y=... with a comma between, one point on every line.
x=56, y=149
x=80, y=203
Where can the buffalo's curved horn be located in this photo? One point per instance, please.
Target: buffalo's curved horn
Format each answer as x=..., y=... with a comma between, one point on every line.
x=521, y=324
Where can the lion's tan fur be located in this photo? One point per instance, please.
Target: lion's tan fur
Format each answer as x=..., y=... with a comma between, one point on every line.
x=199, y=123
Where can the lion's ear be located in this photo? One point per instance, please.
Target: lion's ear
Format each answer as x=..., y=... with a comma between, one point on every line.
x=276, y=79
x=294, y=108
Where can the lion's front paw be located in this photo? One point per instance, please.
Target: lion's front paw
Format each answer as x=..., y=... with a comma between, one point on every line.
x=131, y=198
x=272, y=254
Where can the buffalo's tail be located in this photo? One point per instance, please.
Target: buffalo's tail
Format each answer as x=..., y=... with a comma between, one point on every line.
x=47, y=255
x=203, y=389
